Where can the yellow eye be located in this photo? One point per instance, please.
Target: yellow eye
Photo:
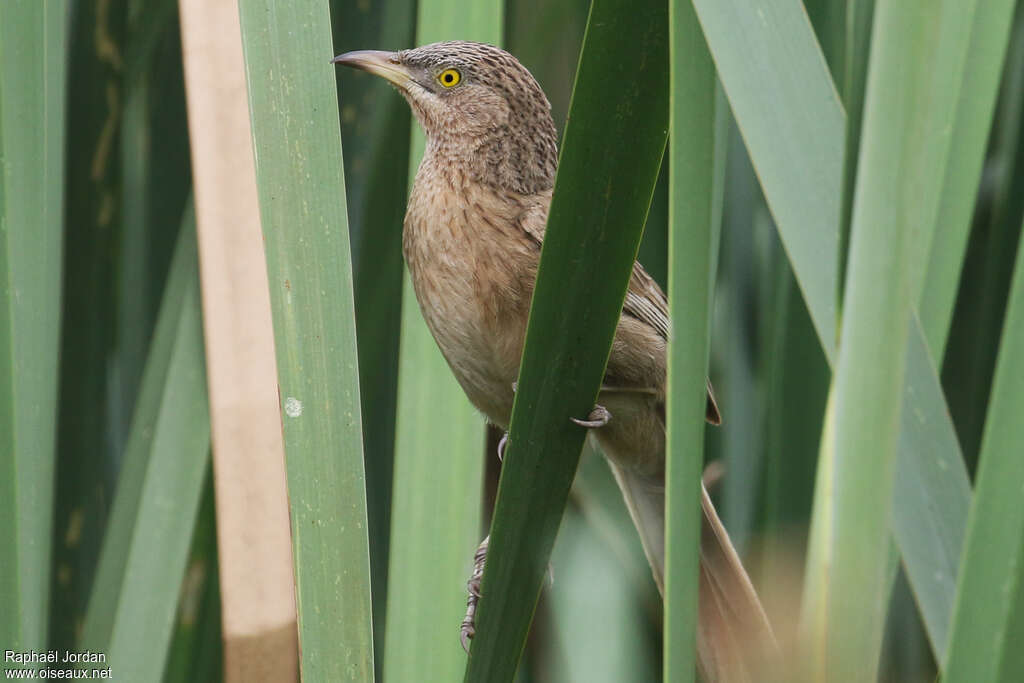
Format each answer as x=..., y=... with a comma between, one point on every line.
x=449, y=78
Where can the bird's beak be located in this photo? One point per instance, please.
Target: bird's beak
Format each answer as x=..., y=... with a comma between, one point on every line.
x=377, y=62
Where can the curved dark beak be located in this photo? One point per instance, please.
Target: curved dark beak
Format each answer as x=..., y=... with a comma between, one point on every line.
x=377, y=62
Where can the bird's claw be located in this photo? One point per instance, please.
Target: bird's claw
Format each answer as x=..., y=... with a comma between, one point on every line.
x=502, y=444
x=467, y=635
x=468, y=629
x=598, y=417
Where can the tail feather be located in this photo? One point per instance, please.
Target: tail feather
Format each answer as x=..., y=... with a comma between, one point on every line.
x=734, y=638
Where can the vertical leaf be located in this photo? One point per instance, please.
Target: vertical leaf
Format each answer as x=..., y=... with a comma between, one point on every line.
x=870, y=368
x=297, y=139
x=987, y=625
x=375, y=136
x=973, y=336
x=859, y=15
x=32, y=80
x=145, y=549
x=696, y=167
x=988, y=31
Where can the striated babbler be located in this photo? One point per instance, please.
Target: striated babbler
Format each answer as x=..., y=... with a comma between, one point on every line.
x=472, y=238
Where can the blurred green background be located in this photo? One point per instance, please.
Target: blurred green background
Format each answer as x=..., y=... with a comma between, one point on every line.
x=127, y=186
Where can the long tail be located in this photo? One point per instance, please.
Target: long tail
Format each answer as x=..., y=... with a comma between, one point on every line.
x=734, y=639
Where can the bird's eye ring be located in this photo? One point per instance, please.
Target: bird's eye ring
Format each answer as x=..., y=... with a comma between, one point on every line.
x=449, y=78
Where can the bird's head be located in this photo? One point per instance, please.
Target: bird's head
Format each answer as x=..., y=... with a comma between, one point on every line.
x=480, y=108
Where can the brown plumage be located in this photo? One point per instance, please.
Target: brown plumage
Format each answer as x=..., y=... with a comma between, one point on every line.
x=473, y=230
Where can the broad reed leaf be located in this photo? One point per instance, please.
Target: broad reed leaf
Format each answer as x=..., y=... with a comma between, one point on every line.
x=934, y=491
x=600, y=202
x=696, y=158
x=32, y=111
x=987, y=624
x=792, y=121
x=870, y=369
x=375, y=136
x=297, y=140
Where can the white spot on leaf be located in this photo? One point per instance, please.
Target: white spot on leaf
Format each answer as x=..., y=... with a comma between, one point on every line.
x=292, y=407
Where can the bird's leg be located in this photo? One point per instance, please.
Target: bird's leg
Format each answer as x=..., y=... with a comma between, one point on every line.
x=468, y=629
x=598, y=417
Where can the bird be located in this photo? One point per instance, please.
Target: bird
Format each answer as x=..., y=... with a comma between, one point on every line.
x=471, y=239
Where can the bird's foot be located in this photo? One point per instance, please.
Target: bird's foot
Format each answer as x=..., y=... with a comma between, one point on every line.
x=468, y=629
x=598, y=417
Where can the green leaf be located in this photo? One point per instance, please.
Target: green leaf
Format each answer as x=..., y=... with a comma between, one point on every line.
x=155, y=184
x=439, y=444
x=973, y=338
x=870, y=369
x=792, y=121
x=297, y=139
x=196, y=650
x=375, y=136
x=988, y=34
x=932, y=97
x=754, y=88
x=987, y=625
x=857, y=39
x=600, y=202
x=934, y=491
x=33, y=70
x=696, y=175
x=135, y=594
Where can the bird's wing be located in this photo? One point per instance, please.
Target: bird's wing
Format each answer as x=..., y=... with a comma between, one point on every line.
x=645, y=301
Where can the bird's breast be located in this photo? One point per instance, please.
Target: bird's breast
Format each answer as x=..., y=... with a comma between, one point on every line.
x=472, y=270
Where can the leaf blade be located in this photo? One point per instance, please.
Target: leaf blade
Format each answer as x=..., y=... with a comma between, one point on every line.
x=696, y=177
x=297, y=142
x=986, y=630
x=33, y=74
x=600, y=200
x=797, y=149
